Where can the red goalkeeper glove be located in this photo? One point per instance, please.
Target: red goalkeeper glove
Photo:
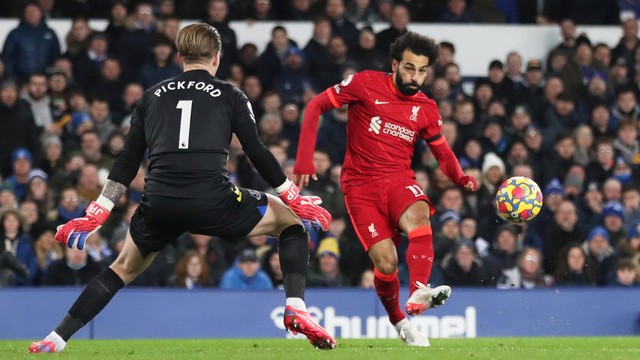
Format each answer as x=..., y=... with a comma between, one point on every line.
x=313, y=216
x=468, y=183
x=75, y=232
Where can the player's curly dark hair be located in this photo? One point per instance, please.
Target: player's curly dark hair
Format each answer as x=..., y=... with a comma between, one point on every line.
x=417, y=44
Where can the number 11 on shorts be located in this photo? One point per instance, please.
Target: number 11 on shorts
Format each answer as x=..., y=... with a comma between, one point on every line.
x=415, y=189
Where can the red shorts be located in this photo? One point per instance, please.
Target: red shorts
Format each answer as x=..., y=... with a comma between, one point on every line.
x=375, y=208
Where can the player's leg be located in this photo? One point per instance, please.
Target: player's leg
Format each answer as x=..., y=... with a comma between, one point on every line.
x=385, y=260
x=96, y=295
x=384, y=256
x=414, y=221
x=280, y=221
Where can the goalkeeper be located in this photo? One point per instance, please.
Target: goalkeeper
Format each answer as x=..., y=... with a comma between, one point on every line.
x=186, y=123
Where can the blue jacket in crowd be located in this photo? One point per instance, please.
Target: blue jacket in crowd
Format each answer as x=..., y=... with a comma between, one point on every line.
x=235, y=279
x=30, y=49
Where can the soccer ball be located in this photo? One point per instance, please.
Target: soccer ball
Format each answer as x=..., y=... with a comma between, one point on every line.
x=519, y=199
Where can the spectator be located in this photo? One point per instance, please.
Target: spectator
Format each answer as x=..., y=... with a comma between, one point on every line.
x=217, y=16
x=366, y=54
x=560, y=159
x=503, y=254
x=327, y=273
x=300, y=10
x=568, y=42
x=91, y=146
x=561, y=232
x=613, y=222
x=493, y=174
x=362, y=11
x=527, y=274
x=34, y=224
x=628, y=43
x=101, y=117
x=332, y=135
x=76, y=268
x=30, y=47
x=192, y=272
x=261, y=10
x=116, y=29
x=601, y=168
x=15, y=239
x=600, y=254
x=88, y=64
x=122, y=113
x=78, y=38
x=47, y=251
x=600, y=121
x=627, y=143
x=270, y=62
x=246, y=274
x=324, y=187
x=212, y=251
x=317, y=51
x=445, y=240
x=161, y=68
x=367, y=279
x=271, y=266
x=17, y=126
x=138, y=39
x=38, y=191
x=36, y=96
x=468, y=230
x=340, y=25
x=626, y=274
x=21, y=160
x=69, y=206
x=399, y=21
x=462, y=267
x=8, y=199
x=573, y=268
x=553, y=195
x=631, y=204
x=457, y=12
x=583, y=140
x=294, y=78
x=626, y=107
x=88, y=186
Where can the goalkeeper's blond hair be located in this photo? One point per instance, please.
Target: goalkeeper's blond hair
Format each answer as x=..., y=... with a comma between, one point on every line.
x=198, y=43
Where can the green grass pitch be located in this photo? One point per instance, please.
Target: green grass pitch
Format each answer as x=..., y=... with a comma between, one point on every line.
x=609, y=348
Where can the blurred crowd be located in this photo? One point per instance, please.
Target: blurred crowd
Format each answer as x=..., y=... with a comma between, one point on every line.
x=569, y=121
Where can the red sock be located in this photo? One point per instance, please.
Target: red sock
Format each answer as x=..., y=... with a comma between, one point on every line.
x=420, y=256
x=388, y=289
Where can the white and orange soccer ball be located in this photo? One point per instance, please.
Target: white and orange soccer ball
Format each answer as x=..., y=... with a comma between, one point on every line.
x=519, y=199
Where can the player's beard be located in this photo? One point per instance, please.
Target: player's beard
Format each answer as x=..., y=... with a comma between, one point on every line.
x=406, y=89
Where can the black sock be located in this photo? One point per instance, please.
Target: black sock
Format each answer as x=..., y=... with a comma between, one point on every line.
x=294, y=260
x=95, y=296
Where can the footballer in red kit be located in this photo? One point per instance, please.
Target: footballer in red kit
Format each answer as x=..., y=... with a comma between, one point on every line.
x=387, y=115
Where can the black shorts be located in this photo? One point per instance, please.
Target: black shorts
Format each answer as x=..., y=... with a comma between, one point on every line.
x=160, y=219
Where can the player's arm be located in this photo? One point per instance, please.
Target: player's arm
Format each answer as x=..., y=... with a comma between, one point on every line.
x=304, y=167
x=74, y=233
x=449, y=163
x=345, y=92
x=306, y=207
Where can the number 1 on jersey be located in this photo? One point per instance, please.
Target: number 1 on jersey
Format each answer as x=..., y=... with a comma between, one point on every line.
x=185, y=123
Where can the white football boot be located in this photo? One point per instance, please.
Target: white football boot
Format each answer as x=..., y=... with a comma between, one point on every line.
x=424, y=297
x=410, y=335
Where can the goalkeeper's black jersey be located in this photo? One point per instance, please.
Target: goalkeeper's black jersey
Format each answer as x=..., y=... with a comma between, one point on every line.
x=187, y=122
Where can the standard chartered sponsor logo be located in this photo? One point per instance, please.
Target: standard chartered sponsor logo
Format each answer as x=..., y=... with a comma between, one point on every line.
x=392, y=129
x=375, y=124
x=398, y=131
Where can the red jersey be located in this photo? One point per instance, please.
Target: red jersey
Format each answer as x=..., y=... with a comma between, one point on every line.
x=383, y=125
